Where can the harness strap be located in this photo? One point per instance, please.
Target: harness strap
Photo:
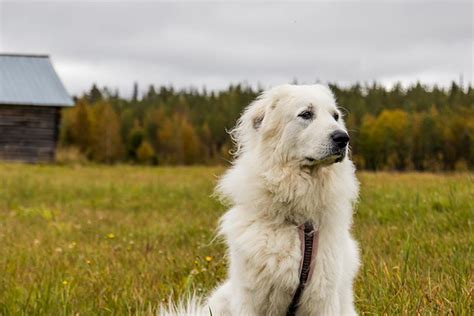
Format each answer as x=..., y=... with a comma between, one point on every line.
x=309, y=244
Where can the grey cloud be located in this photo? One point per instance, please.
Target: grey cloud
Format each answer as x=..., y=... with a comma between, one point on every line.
x=214, y=44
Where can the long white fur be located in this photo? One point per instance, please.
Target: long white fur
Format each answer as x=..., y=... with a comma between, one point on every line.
x=272, y=188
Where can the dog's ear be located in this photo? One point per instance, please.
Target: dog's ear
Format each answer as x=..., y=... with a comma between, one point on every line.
x=266, y=102
x=257, y=119
x=254, y=114
x=250, y=122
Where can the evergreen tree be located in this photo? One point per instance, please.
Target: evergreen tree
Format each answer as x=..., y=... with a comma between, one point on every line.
x=135, y=92
x=134, y=140
x=94, y=95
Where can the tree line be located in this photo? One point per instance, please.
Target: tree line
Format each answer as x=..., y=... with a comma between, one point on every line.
x=414, y=128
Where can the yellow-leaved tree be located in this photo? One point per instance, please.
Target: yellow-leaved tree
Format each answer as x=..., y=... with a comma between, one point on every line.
x=178, y=142
x=391, y=136
x=145, y=153
x=107, y=145
x=191, y=145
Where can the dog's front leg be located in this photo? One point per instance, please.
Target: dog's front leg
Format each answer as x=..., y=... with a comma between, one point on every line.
x=243, y=304
x=251, y=283
x=347, y=302
x=228, y=301
x=330, y=306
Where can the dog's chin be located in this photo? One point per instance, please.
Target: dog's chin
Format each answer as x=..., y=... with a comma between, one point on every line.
x=324, y=161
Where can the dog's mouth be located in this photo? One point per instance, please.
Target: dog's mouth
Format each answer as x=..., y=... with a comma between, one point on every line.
x=328, y=160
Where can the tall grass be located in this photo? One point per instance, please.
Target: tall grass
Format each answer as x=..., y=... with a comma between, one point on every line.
x=120, y=240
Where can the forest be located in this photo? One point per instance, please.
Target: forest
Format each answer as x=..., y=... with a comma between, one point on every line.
x=414, y=128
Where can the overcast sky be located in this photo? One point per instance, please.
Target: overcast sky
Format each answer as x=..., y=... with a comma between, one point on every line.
x=214, y=44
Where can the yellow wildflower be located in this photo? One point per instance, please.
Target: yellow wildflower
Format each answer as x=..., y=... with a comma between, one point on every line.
x=208, y=258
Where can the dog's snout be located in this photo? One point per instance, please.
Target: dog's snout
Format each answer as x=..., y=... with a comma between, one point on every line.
x=340, y=138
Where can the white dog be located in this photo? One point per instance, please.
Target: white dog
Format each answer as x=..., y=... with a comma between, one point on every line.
x=291, y=168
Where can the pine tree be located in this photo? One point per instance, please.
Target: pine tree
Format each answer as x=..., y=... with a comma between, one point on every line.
x=135, y=92
x=134, y=140
x=95, y=95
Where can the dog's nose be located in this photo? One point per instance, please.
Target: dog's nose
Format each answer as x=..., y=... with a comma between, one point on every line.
x=340, y=138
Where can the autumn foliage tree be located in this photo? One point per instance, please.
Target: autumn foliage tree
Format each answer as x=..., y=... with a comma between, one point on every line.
x=414, y=128
x=179, y=142
x=106, y=142
x=77, y=126
x=145, y=153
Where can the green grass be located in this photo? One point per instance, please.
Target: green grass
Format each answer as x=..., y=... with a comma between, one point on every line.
x=119, y=240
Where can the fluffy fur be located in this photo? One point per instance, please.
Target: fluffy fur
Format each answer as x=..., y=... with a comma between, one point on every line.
x=286, y=172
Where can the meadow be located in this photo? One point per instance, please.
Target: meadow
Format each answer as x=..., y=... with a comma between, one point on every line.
x=83, y=240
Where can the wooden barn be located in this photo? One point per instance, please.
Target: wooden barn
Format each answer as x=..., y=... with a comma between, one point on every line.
x=31, y=97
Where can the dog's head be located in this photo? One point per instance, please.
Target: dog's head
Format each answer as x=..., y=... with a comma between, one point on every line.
x=294, y=123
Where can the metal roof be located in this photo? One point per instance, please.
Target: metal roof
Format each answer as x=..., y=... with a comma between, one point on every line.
x=31, y=80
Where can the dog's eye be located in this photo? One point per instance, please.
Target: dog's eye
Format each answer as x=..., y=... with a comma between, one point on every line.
x=306, y=115
x=336, y=116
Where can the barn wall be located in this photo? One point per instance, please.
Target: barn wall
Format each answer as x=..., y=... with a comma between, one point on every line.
x=28, y=133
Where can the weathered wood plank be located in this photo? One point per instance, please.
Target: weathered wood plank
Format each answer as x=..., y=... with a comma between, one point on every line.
x=29, y=142
x=12, y=150
x=18, y=133
x=22, y=122
x=28, y=133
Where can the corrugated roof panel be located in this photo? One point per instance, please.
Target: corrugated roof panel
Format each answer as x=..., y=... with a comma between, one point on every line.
x=31, y=80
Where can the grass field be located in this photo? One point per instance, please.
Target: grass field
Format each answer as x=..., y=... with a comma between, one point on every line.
x=119, y=240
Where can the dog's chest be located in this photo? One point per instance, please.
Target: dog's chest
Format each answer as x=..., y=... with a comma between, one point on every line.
x=273, y=270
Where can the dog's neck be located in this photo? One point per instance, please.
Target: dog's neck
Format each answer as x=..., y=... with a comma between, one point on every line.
x=287, y=193
x=300, y=195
